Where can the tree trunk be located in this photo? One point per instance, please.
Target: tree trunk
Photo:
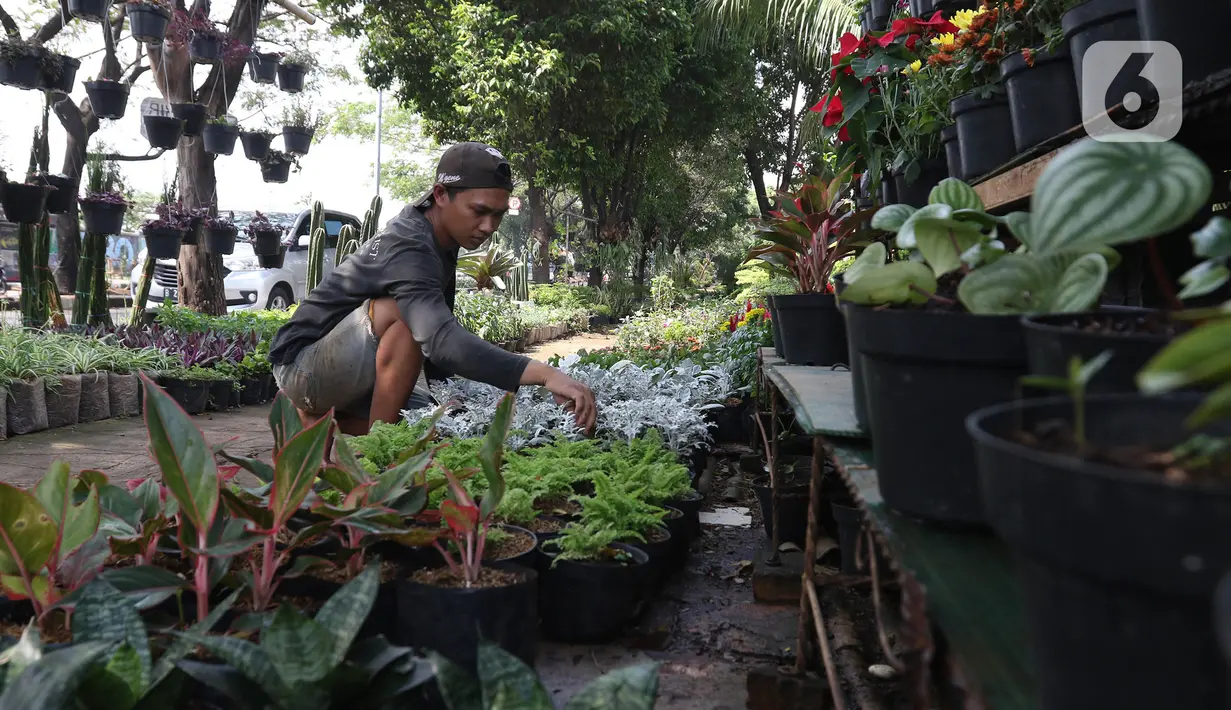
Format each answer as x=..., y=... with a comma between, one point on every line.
x=541, y=232
x=68, y=225
x=642, y=258
x=200, y=274
x=596, y=277
x=757, y=176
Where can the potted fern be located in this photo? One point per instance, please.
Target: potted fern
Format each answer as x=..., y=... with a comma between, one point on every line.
x=299, y=125
x=219, y=135
x=103, y=205
x=593, y=584
x=293, y=69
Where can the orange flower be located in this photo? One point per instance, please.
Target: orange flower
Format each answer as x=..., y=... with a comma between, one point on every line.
x=940, y=58
x=992, y=56
x=984, y=41
x=948, y=48
x=1028, y=55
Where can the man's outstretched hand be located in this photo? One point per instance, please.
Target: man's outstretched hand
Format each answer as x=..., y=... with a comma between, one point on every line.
x=576, y=397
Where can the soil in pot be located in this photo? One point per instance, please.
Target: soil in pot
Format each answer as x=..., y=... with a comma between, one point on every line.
x=63, y=397
x=296, y=139
x=24, y=203
x=124, y=394
x=813, y=329
x=924, y=371
x=953, y=150
x=275, y=171
x=109, y=98
x=1197, y=28
x=515, y=546
x=163, y=131
x=21, y=71
x=985, y=131
x=256, y=145
x=1134, y=335
x=219, y=395
x=219, y=240
x=1043, y=100
x=915, y=193
x=435, y=610
x=163, y=242
x=103, y=217
x=263, y=68
x=193, y=116
x=63, y=194
x=95, y=402
x=1120, y=550
x=291, y=78
x=1097, y=21
x=793, y=496
x=148, y=22
x=26, y=407
x=590, y=601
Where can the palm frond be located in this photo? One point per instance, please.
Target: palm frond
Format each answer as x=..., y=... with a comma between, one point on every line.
x=811, y=27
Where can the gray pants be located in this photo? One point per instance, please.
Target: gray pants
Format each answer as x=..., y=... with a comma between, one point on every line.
x=338, y=371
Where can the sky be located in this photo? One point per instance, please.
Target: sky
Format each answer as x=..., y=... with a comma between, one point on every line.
x=337, y=171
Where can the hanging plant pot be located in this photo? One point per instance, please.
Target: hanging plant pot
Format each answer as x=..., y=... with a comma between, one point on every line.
x=148, y=22
x=272, y=261
x=879, y=12
x=915, y=193
x=108, y=98
x=63, y=194
x=953, y=150
x=163, y=242
x=23, y=203
x=1202, y=44
x=256, y=144
x=267, y=242
x=813, y=330
x=1096, y=21
x=163, y=131
x=22, y=71
x=1043, y=100
x=219, y=138
x=276, y=171
x=297, y=139
x=89, y=10
x=263, y=67
x=949, y=7
x=103, y=217
x=63, y=78
x=1134, y=336
x=193, y=116
x=291, y=78
x=1118, y=565
x=985, y=130
x=205, y=49
x=219, y=240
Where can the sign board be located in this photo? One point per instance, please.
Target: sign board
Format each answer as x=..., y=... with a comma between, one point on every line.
x=154, y=107
x=514, y=205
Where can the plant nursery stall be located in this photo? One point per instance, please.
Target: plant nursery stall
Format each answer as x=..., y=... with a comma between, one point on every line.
x=1016, y=394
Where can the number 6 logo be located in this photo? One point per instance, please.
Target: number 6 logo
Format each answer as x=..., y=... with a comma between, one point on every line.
x=1146, y=77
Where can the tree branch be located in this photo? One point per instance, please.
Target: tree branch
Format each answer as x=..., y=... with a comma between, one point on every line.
x=154, y=154
x=9, y=25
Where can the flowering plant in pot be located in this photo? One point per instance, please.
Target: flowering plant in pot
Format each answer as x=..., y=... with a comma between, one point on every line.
x=1038, y=76
x=20, y=63
x=294, y=69
x=265, y=236
x=299, y=125
x=811, y=230
x=103, y=205
x=165, y=232
x=220, y=234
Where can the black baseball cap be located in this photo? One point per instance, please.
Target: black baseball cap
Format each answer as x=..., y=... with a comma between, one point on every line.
x=471, y=165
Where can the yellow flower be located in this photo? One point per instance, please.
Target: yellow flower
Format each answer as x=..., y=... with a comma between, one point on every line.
x=946, y=38
x=914, y=67
x=963, y=17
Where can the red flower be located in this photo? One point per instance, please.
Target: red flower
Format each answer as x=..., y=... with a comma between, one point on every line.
x=832, y=108
x=913, y=26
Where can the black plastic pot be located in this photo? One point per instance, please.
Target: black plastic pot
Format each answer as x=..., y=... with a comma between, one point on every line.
x=524, y=559
x=24, y=204
x=889, y=191
x=589, y=602
x=1196, y=28
x=267, y=242
x=193, y=116
x=452, y=621
x=854, y=362
x=1052, y=341
x=63, y=194
x=163, y=242
x=276, y=171
x=916, y=193
x=22, y=71
x=793, y=496
x=219, y=138
x=865, y=22
x=953, y=150
x=948, y=7
x=297, y=140
x=775, y=327
x=1097, y=21
x=985, y=131
x=680, y=528
x=728, y=423
x=219, y=240
x=193, y=233
x=263, y=68
x=189, y=394
x=269, y=387
x=250, y=392
x=256, y=145
x=219, y=395
x=813, y=330
x=89, y=10
x=850, y=527
x=1118, y=566
x=923, y=373
x=163, y=131
x=1043, y=100
x=108, y=98
x=205, y=49
x=148, y=23
x=291, y=78
x=879, y=12
x=103, y=217
x=64, y=80
x=272, y=261
x=659, y=553
x=1222, y=616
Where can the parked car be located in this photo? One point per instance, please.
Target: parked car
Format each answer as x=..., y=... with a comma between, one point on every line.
x=247, y=285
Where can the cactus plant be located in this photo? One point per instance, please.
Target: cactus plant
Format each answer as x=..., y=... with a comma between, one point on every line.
x=349, y=240
x=348, y=243
x=370, y=220
x=316, y=246
x=519, y=287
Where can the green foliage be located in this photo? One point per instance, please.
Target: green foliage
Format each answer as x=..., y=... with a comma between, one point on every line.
x=1199, y=358
x=316, y=246
x=623, y=510
x=1213, y=244
x=1074, y=385
x=383, y=443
